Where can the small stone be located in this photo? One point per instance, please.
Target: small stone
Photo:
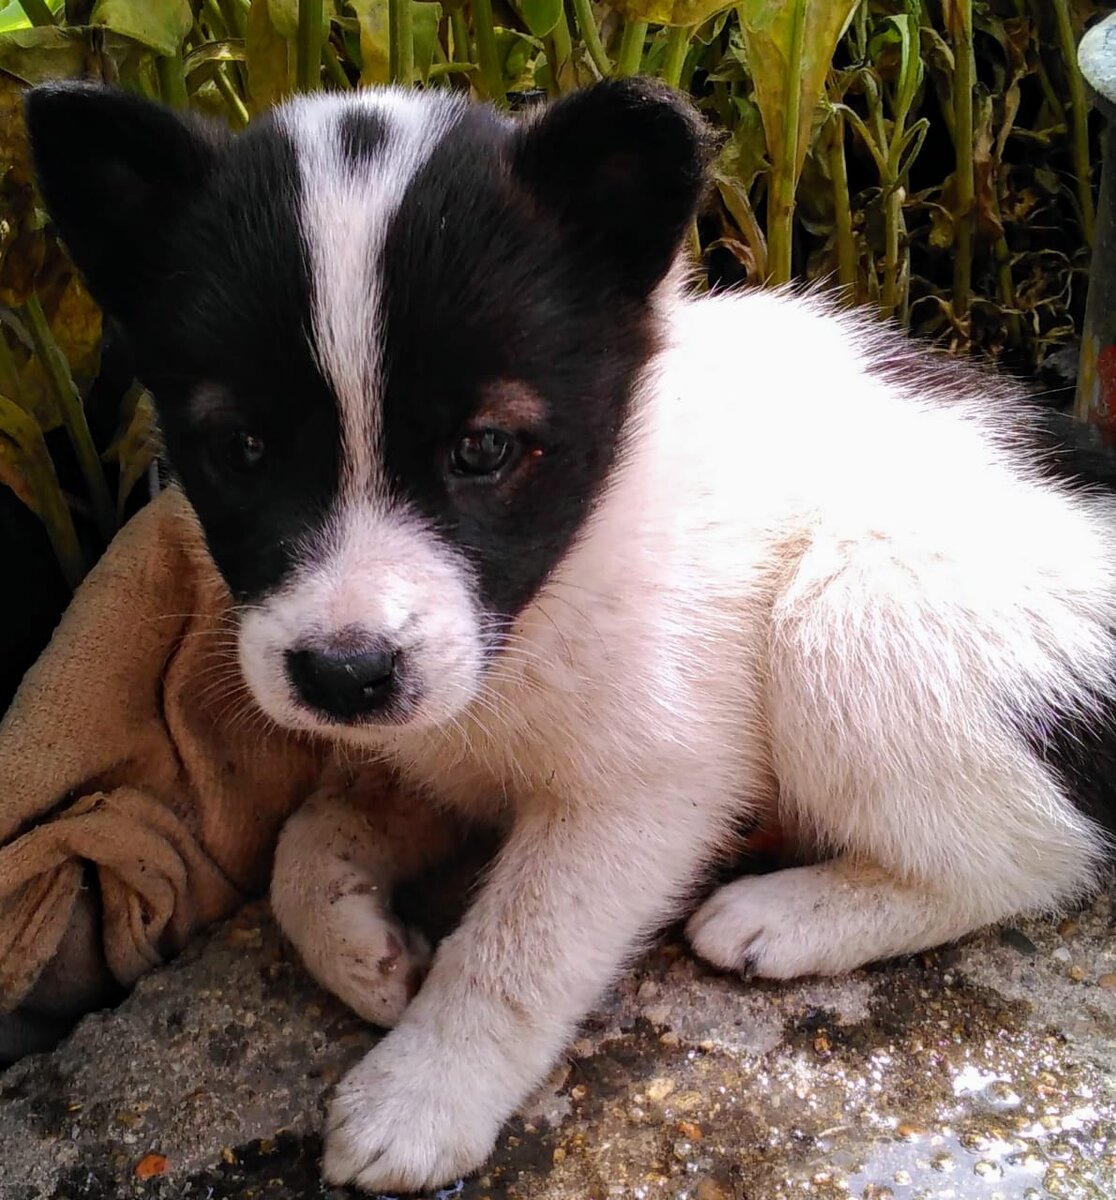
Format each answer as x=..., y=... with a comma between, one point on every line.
x=151, y=1165
x=559, y=1155
x=659, y=1089
x=578, y=1092
x=690, y=1130
x=908, y=1130
x=987, y=1169
x=1061, y=955
x=228, y=1156
x=247, y=937
x=1107, y=981
x=686, y=1102
x=1076, y=973
x=943, y=1162
x=710, y=1189
x=822, y=1044
x=1068, y=928
x=670, y=1038
x=648, y=990
x=877, y=1191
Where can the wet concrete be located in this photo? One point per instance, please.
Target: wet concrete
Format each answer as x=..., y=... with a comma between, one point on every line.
x=983, y=1071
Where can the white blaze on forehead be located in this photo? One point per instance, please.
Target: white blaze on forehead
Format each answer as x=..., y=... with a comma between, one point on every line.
x=346, y=207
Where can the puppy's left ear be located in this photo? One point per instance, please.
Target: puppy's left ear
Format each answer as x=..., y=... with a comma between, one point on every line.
x=116, y=171
x=621, y=165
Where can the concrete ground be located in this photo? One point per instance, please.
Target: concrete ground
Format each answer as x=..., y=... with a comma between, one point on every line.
x=986, y=1070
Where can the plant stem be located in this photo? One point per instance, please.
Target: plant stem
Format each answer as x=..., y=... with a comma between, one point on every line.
x=231, y=97
x=401, y=42
x=842, y=209
x=234, y=17
x=72, y=413
x=591, y=36
x=172, y=81
x=893, y=267
x=488, y=56
x=630, y=54
x=459, y=30
x=308, y=60
x=963, y=134
x=334, y=69
x=1080, y=115
x=783, y=179
x=214, y=18
x=559, y=51
x=38, y=12
x=42, y=480
x=677, y=45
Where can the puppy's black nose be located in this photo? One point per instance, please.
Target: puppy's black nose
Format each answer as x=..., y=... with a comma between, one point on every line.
x=343, y=684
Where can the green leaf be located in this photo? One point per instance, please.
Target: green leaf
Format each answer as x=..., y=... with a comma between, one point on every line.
x=46, y=52
x=372, y=16
x=227, y=50
x=284, y=16
x=425, y=19
x=541, y=16
x=12, y=15
x=160, y=25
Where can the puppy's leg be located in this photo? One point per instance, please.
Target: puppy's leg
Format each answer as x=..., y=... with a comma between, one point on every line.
x=900, y=702
x=566, y=901
x=337, y=860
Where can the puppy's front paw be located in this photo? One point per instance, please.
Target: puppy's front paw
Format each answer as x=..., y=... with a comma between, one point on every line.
x=408, y=1117
x=356, y=950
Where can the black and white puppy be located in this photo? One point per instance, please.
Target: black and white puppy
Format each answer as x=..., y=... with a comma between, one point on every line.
x=501, y=503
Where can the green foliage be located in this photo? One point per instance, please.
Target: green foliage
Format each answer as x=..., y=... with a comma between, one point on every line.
x=932, y=156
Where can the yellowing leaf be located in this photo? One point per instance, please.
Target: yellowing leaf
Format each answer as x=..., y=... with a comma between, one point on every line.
x=686, y=13
x=789, y=45
x=284, y=16
x=267, y=57
x=136, y=445
x=161, y=25
x=374, y=45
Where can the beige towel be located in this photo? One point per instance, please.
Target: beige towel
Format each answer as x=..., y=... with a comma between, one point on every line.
x=141, y=792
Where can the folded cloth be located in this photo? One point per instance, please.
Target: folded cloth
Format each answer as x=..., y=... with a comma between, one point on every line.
x=141, y=790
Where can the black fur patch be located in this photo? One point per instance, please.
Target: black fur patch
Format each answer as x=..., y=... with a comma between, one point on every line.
x=495, y=269
x=363, y=135
x=1081, y=749
x=225, y=346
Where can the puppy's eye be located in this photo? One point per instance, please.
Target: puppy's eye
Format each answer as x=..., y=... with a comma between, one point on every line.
x=244, y=450
x=483, y=452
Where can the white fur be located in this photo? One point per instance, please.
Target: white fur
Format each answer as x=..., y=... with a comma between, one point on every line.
x=384, y=572
x=345, y=212
x=807, y=591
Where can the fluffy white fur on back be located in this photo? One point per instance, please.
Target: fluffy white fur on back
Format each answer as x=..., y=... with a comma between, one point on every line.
x=812, y=589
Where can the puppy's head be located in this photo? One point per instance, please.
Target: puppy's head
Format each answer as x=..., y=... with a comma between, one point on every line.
x=392, y=340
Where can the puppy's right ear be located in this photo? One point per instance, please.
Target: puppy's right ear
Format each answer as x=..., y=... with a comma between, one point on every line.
x=115, y=172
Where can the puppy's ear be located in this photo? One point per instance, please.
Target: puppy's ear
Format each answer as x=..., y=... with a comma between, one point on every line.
x=621, y=164
x=115, y=172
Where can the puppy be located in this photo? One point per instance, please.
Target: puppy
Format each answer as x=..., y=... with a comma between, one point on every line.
x=503, y=507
